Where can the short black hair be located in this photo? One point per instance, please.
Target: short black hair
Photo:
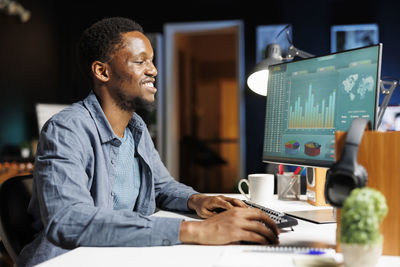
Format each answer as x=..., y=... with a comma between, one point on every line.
x=100, y=41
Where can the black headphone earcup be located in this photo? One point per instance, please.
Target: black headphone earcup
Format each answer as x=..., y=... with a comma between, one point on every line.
x=347, y=173
x=361, y=175
x=339, y=184
x=328, y=180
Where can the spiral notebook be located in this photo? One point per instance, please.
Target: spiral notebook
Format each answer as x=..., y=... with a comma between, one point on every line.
x=289, y=249
x=239, y=256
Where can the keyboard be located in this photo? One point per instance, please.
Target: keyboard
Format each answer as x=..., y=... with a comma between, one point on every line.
x=281, y=220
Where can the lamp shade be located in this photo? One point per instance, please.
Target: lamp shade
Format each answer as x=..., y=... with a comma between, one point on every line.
x=258, y=79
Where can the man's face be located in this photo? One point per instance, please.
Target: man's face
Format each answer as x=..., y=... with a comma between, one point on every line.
x=132, y=72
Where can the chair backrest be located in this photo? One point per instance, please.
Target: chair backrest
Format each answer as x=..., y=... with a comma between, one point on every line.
x=15, y=223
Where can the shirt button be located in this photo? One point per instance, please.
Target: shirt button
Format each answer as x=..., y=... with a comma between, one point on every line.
x=166, y=242
x=112, y=193
x=112, y=162
x=116, y=142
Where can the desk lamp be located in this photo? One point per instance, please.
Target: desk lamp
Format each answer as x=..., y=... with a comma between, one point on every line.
x=258, y=79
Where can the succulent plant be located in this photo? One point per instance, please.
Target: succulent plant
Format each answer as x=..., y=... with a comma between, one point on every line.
x=362, y=213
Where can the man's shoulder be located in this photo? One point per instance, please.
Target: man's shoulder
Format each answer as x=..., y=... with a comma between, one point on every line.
x=137, y=119
x=74, y=117
x=76, y=111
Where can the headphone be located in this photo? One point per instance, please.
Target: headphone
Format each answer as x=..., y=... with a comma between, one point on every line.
x=347, y=173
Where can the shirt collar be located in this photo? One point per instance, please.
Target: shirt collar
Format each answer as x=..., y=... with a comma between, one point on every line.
x=104, y=128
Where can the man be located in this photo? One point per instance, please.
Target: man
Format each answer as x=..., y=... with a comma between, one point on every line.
x=98, y=176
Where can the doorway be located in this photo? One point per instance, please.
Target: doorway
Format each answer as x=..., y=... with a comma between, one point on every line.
x=204, y=122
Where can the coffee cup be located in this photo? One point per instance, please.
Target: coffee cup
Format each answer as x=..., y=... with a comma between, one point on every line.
x=261, y=188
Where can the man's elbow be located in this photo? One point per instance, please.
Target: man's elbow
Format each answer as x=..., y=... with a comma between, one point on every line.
x=59, y=237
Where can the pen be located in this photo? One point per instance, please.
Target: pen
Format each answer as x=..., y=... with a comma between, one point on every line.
x=292, y=250
x=292, y=181
x=298, y=170
x=280, y=169
x=314, y=252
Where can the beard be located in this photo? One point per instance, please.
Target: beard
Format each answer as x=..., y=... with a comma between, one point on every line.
x=133, y=103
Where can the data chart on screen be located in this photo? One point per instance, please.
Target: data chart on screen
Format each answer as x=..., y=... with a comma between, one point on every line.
x=308, y=100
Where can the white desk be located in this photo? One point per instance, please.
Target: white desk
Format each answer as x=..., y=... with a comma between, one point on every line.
x=304, y=234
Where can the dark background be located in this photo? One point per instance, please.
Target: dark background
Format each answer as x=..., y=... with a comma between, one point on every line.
x=37, y=58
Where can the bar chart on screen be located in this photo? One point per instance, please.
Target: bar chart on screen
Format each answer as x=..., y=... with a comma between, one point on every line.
x=312, y=113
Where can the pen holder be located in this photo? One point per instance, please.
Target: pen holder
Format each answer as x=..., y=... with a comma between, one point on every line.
x=288, y=186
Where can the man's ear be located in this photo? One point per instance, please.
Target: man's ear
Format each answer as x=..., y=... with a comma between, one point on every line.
x=100, y=71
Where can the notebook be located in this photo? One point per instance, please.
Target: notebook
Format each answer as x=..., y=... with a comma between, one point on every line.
x=239, y=256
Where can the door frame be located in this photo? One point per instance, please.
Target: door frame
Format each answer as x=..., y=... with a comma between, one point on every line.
x=171, y=116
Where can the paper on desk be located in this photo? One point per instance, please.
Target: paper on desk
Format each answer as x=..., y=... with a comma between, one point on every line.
x=238, y=257
x=315, y=261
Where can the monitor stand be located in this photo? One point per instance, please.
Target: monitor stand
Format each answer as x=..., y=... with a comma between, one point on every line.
x=316, y=186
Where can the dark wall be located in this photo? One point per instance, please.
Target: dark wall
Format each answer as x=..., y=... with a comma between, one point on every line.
x=38, y=57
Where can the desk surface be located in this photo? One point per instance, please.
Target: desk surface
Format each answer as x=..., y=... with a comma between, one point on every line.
x=305, y=234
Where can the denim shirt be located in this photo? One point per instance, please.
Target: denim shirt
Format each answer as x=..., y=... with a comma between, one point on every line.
x=72, y=198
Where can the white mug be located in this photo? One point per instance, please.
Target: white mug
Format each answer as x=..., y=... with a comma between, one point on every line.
x=261, y=188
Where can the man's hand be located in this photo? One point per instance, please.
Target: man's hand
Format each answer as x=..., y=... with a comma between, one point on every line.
x=234, y=225
x=204, y=205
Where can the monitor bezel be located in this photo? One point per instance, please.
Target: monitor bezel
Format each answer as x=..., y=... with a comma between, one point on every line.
x=322, y=163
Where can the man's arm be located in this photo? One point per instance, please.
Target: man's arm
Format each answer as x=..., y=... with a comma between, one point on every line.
x=236, y=224
x=205, y=206
x=69, y=213
x=231, y=226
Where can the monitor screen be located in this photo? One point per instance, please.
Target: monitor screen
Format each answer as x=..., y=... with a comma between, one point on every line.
x=309, y=99
x=390, y=120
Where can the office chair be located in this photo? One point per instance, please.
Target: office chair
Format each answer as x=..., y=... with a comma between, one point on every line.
x=15, y=222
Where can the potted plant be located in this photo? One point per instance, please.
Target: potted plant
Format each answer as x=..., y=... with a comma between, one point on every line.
x=360, y=236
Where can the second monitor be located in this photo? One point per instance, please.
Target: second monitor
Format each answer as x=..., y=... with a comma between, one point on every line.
x=308, y=100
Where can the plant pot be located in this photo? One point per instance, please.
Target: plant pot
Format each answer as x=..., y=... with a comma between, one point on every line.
x=357, y=255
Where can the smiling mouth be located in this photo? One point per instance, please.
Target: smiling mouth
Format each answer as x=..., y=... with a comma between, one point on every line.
x=150, y=86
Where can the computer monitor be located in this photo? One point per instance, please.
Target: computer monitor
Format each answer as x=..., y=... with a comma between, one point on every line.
x=390, y=119
x=309, y=99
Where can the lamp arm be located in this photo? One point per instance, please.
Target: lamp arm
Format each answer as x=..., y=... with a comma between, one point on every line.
x=388, y=94
x=293, y=51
